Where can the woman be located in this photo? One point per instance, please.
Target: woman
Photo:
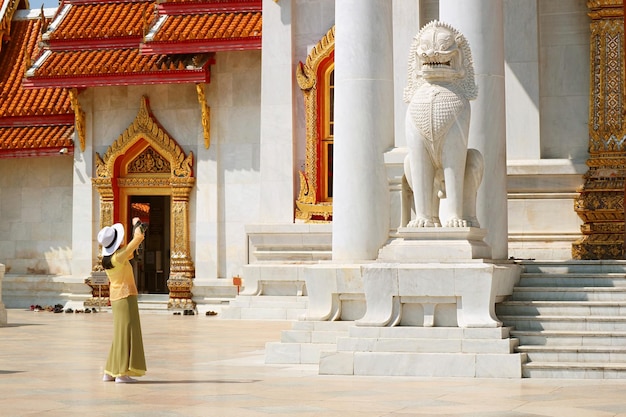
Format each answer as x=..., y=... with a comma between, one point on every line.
x=126, y=357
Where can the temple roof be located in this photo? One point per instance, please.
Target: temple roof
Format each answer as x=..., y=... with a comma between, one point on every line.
x=121, y=42
x=194, y=26
x=32, y=122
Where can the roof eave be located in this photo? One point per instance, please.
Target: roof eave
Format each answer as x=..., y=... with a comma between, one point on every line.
x=37, y=120
x=36, y=152
x=202, y=46
x=179, y=77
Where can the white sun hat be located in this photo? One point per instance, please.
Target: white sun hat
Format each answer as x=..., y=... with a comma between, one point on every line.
x=111, y=238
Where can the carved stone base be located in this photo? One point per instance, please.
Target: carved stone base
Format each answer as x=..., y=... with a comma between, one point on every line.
x=451, y=295
x=436, y=244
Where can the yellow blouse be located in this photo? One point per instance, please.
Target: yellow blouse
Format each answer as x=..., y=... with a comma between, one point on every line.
x=121, y=277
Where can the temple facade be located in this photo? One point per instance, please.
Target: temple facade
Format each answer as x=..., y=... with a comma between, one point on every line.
x=215, y=122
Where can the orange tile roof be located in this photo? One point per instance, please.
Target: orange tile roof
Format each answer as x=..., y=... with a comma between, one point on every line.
x=96, y=43
x=31, y=121
x=100, y=23
x=205, y=25
x=90, y=68
x=35, y=140
x=99, y=42
x=206, y=32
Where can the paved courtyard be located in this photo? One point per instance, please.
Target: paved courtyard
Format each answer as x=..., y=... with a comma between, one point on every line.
x=51, y=365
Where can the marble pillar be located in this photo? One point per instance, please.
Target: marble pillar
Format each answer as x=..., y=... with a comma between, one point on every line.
x=363, y=127
x=406, y=23
x=481, y=21
x=277, y=148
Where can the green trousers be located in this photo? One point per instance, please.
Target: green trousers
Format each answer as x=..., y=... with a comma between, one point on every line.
x=126, y=356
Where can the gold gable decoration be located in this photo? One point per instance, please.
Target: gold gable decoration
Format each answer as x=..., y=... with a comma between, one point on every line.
x=307, y=206
x=161, y=164
x=600, y=203
x=149, y=161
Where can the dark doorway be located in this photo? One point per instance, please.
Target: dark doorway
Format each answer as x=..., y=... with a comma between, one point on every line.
x=152, y=260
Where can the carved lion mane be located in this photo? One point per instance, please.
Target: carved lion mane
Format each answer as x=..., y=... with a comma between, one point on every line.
x=466, y=83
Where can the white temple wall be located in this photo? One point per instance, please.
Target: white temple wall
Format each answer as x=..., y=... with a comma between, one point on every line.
x=36, y=215
x=547, y=86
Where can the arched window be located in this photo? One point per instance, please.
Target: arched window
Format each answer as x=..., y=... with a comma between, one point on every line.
x=316, y=78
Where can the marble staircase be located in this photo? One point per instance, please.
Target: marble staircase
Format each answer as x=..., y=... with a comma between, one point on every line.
x=569, y=319
x=266, y=307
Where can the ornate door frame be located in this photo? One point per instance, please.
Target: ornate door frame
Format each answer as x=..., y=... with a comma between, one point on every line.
x=145, y=160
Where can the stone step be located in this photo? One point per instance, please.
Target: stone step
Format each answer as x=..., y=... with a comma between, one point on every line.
x=569, y=338
x=566, y=323
x=573, y=266
x=296, y=353
x=307, y=336
x=574, y=370
x=572, y=280
x=569, y=294
x=427, y=345
x=561, y=308
x=585, y=354
x=239, y=313
x=468, y=365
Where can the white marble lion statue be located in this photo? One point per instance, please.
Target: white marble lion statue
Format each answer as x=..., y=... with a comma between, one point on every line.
x=442, y=174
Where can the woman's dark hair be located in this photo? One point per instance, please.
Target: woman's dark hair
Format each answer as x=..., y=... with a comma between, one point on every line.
x=106, y=262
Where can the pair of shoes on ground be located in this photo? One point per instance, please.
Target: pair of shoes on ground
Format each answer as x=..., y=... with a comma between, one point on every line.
x=124, y=379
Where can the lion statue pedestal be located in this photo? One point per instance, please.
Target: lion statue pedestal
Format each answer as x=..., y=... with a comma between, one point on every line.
x=433, y=289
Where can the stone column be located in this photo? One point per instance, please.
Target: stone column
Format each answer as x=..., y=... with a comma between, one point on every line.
x=406, y=24
x=482, y=23
x=277, y=150
x=363, y=127
x=3, y=311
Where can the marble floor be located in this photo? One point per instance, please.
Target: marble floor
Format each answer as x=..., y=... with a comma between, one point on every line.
x=51, y=365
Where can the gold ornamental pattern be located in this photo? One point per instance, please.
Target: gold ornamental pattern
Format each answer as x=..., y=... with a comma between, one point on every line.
x=600, y=203
x=307, y=205
x=149, y=161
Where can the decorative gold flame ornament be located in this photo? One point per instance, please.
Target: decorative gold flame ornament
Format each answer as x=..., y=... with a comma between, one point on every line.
x=600, y=203
x=79, y=117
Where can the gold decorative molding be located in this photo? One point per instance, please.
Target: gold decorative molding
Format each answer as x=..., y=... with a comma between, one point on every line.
x=149, y=161
x=79, y=117
x=145, y=127
x=307, y=205
x=160, y=167
x=206, y=115
x=600, y=203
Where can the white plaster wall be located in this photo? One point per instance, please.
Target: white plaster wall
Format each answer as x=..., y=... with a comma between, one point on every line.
x=36, y=215
x=564, y=78
x=235, y=98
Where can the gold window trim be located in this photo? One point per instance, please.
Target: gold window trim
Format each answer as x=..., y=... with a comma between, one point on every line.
x=308, y=205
